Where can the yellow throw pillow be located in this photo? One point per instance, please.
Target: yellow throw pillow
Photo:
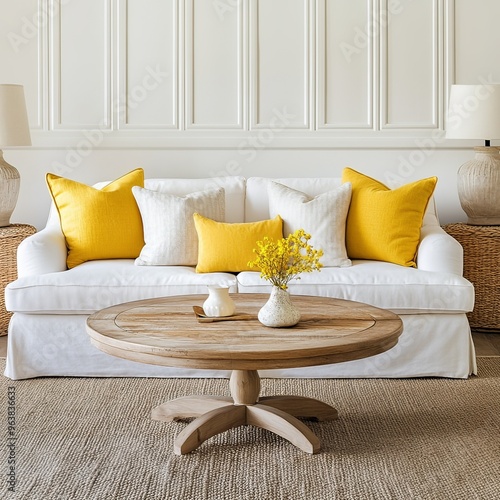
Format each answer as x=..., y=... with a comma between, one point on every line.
x=228, y=247
x=99, y=223
x=382, y=223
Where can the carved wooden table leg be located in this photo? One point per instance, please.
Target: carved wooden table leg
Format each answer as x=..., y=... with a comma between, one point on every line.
x=188, y=407
x=285, y=425
x=208, y=425
x=216, y=414
x=302, y=407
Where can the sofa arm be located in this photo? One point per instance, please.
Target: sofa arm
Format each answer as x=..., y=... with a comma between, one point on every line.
x=43, y=252
x=440, y=252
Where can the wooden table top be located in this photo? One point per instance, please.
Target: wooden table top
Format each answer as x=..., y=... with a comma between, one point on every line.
x=165, y=331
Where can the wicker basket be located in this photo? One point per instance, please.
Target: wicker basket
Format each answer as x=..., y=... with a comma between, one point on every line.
x=481, y=246
x=10, y=238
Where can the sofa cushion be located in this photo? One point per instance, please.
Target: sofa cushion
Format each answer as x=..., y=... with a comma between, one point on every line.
x=97, y=284
x=384, y=224
x=234, y=190
x=229, y=247
x=403, y=290
x=322, y=216
x=257, y=199
x=98, y=223
x=169, y=233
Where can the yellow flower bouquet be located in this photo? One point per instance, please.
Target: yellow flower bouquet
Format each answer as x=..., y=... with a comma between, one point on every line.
x=281, y=261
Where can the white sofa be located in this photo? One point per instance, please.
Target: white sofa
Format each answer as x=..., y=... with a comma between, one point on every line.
x=47, y=335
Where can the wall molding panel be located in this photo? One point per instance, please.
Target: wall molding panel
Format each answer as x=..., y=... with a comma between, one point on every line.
x=210, y=74
x=147, y=65
x=280, y=62
x=346, y=69
x=80, y=60
x=215, y=54
x=410, y=93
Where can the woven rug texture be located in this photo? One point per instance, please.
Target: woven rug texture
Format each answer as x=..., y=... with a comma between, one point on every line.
x=83, y=438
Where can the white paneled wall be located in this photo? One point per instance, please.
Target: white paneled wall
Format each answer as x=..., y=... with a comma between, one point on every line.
x=113, y=84
x=476, y=40
x=80, y=59
x=281, y=61
x=214, y=67
x=411, y=58
x=147, y=65
x=23, y=54
x=346, y=70
x=153, y=72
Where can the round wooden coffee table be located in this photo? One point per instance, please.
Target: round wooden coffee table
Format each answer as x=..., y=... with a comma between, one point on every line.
x=166, y=331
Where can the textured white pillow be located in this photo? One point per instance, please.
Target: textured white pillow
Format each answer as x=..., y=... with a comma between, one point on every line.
x=323, y=217
x=169, y=233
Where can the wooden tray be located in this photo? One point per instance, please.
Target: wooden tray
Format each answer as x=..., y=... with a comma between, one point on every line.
x=203, y=318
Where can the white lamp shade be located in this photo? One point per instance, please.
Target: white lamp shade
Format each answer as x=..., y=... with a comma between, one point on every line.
x=14, y=126
x=474, y=112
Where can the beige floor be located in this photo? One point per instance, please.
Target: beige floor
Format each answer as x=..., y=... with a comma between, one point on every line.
x=3, y=346
x=487, y=344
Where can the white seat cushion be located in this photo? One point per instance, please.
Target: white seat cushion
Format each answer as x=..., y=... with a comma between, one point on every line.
x=400, y=289
x=97, y=284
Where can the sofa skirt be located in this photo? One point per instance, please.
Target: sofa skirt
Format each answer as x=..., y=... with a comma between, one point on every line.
x=58, y=345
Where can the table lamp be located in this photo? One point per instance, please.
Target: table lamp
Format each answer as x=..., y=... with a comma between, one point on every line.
x=474, y=113
x=14, y=131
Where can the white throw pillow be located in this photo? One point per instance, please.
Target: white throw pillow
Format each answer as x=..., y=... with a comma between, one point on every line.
x=323, y=217
x=169, y=233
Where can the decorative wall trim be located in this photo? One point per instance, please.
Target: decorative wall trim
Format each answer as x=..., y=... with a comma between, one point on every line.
x=257, y=48
x=435, y=63
x=56, y=102
x=128, y=96
x=256, y=105
x=42, y=107
x=191, y=78
x=359, y=43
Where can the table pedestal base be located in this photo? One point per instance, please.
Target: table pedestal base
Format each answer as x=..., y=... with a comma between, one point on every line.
x=216, y=414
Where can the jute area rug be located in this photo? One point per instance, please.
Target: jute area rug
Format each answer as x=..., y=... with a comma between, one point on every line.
x=395, y=439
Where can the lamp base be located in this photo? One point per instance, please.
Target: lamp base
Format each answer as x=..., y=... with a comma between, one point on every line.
x=9, y=190
x=479, y=187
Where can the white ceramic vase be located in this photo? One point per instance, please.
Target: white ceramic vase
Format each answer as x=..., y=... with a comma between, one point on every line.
x=218, y=303
x=279, y=310
x=479, y=187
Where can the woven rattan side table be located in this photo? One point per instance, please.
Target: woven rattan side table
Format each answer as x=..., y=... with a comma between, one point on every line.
x=481, y=246
x=10, y=238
